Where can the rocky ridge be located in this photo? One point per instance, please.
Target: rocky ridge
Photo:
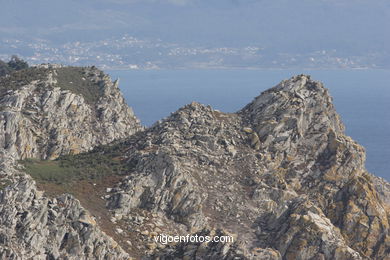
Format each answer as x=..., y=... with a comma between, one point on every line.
x=280, y=176
x=44, y=115
x=50, y=110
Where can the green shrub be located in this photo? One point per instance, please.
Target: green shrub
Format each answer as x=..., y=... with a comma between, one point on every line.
x=101, y=162
x=14, y=64
x=20, y=78
x=17, y=64
x=49, y=171
x=4, y=69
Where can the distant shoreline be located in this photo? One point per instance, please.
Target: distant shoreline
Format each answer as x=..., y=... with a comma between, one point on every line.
x=243, y=68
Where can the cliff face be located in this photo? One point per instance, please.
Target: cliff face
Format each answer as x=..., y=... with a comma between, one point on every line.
x=51, y=111
x=280, y=176
x=35, y=226
x=46, y=112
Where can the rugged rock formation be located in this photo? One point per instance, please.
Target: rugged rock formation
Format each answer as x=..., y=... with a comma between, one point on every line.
x=279, y=176
x=45, y=112
x=48, y=111
x=383, y=188
x=33, y=226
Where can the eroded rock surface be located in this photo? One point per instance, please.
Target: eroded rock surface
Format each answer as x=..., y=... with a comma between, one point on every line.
x=61, y=110
x=33, y=226
x=279, y=176
x=45, y=112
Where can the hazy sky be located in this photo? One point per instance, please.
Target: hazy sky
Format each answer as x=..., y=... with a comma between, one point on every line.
x=353, y=26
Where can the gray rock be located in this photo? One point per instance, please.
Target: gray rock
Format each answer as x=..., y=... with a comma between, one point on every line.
x=43, y=120
x=280, y=176
x=297, y=183
x=33, y=226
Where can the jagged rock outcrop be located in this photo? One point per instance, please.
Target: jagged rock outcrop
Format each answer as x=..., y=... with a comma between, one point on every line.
x=33, y=226
x=383, y=188
x=45, y=112
x=279, y=176
x=48, y=111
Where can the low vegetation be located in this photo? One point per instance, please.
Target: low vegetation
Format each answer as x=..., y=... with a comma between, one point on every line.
x=20, y=78
x=87, y=82
x=16, y=73
x=81, y=81
x=65, y=170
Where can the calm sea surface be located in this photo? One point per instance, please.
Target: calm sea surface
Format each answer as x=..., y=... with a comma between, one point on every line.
x=361, y=97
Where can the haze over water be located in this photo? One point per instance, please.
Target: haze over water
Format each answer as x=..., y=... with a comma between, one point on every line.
x=361, y=97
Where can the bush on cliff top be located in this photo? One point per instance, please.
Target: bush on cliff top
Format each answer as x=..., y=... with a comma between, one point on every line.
x=14, y=64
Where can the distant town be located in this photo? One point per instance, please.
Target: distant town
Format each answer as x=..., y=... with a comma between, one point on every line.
x=128, y=52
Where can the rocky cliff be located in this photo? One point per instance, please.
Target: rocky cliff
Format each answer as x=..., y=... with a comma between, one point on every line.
x=45, y=112
x=48, y=111
x=35, y=226
x=279, y=176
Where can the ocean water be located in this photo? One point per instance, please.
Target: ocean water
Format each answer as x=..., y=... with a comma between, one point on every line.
x=361, y=97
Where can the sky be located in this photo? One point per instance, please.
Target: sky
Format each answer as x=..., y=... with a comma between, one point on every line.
x=350, y=26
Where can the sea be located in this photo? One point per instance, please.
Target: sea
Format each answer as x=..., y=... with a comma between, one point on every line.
x=361, y=97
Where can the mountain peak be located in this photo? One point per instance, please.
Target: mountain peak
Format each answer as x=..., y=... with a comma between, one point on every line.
x=296, y=106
